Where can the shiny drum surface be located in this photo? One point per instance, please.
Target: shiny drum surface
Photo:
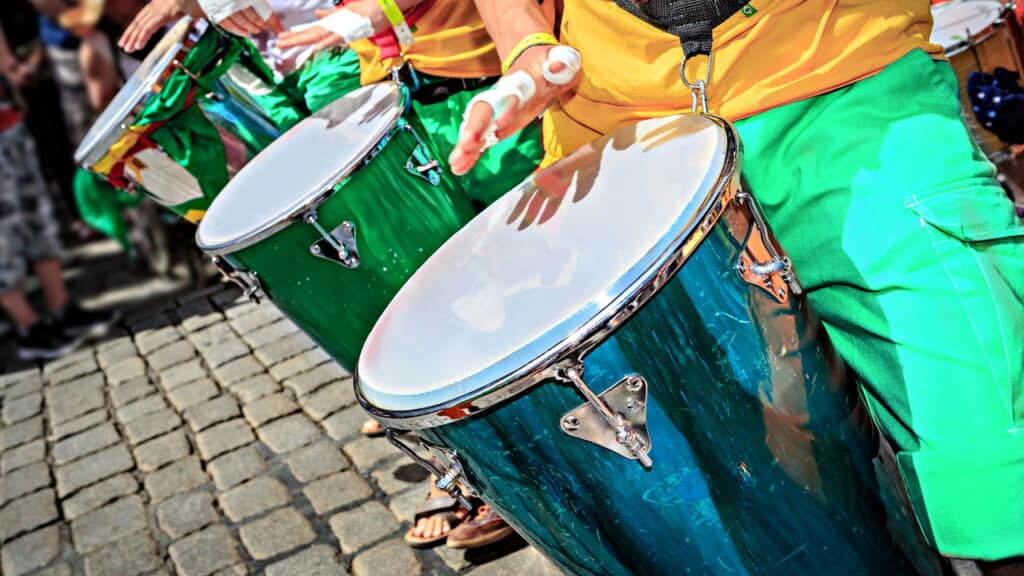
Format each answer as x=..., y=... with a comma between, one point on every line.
x=639, y=255
x=228, y=102
x=976, y=36
x=360, y=167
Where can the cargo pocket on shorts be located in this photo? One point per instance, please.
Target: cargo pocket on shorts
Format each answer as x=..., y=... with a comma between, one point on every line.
x=971, y=211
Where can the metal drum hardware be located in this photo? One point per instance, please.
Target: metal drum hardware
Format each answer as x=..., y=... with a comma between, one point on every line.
x=338, y=245
x=448, y=471
x=760, y=262
x=616, y=419
x=247, y=280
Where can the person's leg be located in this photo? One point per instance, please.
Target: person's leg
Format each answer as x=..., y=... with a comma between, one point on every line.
x=16, y=305
x=51, y=276
x=327, y=77
x=99, y=70
x=912, y=255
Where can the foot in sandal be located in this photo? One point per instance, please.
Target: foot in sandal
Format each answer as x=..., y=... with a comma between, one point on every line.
x=484, y=528
x=434, y=519
x=372, y=429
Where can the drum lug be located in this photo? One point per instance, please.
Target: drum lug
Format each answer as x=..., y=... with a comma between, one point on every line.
x=447, y=470
x=615, y=420
x=760, y=263
x=419, y=163
x=338, y=245
x=247, y=280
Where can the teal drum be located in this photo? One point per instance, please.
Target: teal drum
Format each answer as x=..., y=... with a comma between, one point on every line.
x=617, y=357
x=332, y=218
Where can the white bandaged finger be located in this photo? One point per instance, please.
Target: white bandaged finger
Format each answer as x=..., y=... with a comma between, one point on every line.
x=347, y=24
x=220, y=10
x=513, y=89
x=571, y=63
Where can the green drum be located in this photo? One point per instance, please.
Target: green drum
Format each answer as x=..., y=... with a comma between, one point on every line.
x=187, y=120
x=331, y=219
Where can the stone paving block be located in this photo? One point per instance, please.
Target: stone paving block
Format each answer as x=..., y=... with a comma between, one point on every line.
x=205, y=552
x=399, y=475
x=23, y=455
x=209, y=413
x=335, y=491
x=231, y=298
x=184, y=373
x=121, y=349
x=85, y=365
x=125, y=370
x=236, y=467
x=84, y=443
x=171, y=354
x=237, y=370
x=128, y=556
x=139, y=408
x=75, y=398
x=269, y=408
x=316, y=461
x=68, y=360
x=186, y=513
x=108, y=524
x=151, y=425
x=525, y=561
x=18, y=409
x=27, y=513
x=31, y=551
x=241, y=308
x=163, y=450
x=21, y=433
x=225, y=351
x=211, y=336
x=151, y=339
x=24, y=481
x=258, y=318
x=83, y=422
x=404, y=505
x=366, y=453
x=283, y=349
x=289, y=433
x=391, y=558
x=298, y=364
x=198, y=313
x=316, y=560
x=193, y=393
x=27, y=385
x=344, y=425
x=363, y=526
x=223, y=438
x=276, y=533
x=62, y=569
x=181, y=476
x=81, y=473
x=307, y=382
x=253, y=497
x=131, y=391
x=99, y=494
x=268, y=334
x=236, y=570
x=255, y=388
x=18, y=376
x=328, y=399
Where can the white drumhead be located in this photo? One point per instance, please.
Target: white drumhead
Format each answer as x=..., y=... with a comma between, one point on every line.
x=541, y=262
x=953, y=21
x=299, y=169
x=110, y=124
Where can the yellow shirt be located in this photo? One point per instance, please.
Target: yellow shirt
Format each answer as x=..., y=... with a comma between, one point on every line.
x=451, y=41
x=788, y=50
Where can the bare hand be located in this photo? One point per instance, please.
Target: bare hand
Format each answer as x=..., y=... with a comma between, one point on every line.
x=478, y=121
x=311, y=35
x=151, y=18
x=247, y=23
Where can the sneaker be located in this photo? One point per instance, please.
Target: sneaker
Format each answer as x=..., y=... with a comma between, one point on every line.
x=79, y=322
x=45, y=341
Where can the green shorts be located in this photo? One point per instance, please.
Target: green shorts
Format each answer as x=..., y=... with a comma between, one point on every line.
x=913, y=256
x=326, y=77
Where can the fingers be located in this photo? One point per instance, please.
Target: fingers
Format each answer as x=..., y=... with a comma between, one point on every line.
x=274, y=23
x=331, y=41
x=229, y=25
x=472, y=135
x=256, y=24
x=248, y=22
x=307, y=37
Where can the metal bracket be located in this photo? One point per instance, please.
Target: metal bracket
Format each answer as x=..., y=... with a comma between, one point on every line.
x=760, y=263
x=448, y=473
x=338, y=245
x=419, y=163
x=615, y=420
x=247, y=280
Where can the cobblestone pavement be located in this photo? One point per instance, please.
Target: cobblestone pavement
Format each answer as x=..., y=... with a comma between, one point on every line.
x=208, y=436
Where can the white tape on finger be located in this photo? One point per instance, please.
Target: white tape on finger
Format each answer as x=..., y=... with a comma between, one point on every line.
x=347, y=24
x=263, y=9
x=220, y=10
x=571, y=64
x=513, y=89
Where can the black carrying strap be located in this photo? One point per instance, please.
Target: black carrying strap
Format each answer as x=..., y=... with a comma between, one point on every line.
x=692, y=21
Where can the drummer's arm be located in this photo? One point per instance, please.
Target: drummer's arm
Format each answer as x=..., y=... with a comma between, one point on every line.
x=509, y=21
x=343, y=25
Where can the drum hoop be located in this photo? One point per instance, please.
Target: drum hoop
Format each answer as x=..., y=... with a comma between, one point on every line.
x=571, y=349
x=979, y=37
x=88, y=152
x=261, y=233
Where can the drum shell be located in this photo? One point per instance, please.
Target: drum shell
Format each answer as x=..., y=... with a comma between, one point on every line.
x=762, y=451
x=400, y=220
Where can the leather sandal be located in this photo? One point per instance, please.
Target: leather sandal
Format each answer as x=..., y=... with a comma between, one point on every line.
x=444, y=507
x=484, y=528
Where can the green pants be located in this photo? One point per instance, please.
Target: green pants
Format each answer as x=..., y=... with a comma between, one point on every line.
x=326, y=77
x=912, y=255
x=503, y=167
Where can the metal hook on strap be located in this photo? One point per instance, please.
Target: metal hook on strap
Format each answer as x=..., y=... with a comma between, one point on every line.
x=698, y=88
